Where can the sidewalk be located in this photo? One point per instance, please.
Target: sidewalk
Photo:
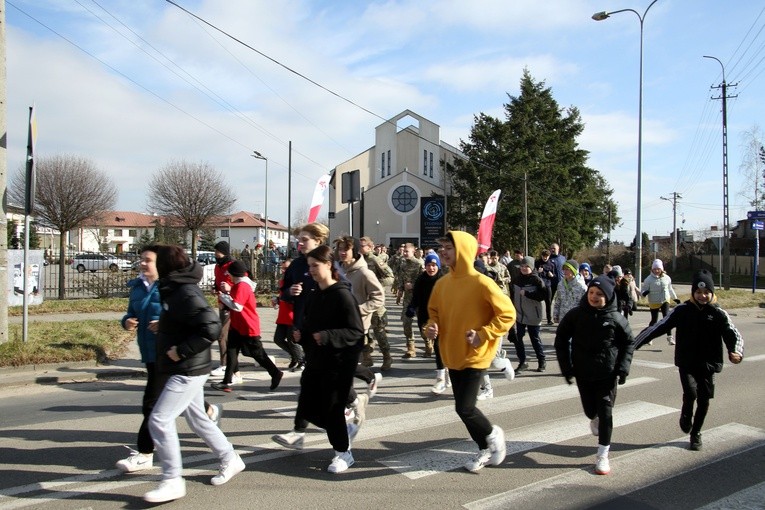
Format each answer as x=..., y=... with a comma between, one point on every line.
x=128, y=366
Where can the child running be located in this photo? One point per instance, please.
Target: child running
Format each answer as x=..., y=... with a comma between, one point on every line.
x=702, y=329
x=594, y=344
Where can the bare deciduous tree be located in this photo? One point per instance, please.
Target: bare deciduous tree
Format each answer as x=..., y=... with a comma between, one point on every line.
x=190, y=194
x=69, y=190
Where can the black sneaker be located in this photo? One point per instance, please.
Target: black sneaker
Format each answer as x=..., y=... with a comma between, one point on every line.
x=521, y=367
x=696, y=442
x=220, y=386
x=275, y=380
x=685, y=422
x=292, y=365
x=299, y=367
x=542, y=366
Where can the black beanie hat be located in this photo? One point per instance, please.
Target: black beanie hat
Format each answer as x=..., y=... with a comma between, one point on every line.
x=237, y=268
x=223, y=247
x=703, y=279
x=605, y=284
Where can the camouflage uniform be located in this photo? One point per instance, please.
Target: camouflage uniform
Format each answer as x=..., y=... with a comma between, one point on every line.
x=379, y=316
x=395, y=264
x=503, y=276
x=409, y=270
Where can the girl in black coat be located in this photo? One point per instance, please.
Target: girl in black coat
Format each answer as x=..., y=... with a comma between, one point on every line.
x=594, y=344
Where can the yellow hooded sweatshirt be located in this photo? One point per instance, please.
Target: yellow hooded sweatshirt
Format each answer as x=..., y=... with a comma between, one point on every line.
x=464, y=299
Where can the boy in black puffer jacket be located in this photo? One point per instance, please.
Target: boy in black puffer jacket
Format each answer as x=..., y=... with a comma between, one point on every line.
x=594, y=344
x=700, y=324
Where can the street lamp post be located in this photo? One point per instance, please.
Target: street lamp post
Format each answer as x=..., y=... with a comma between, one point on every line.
x=257, y=155
x=600, y=16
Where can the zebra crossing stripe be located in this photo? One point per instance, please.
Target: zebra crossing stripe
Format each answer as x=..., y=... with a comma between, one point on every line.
x=631, y=472
x=431, y=461
x=651, y=364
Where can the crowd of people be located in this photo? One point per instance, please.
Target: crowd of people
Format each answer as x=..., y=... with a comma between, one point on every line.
x=332, y=322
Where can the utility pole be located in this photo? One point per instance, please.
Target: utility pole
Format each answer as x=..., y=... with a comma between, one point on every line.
x=3, y=182
x=675, y=197
x=726, y=218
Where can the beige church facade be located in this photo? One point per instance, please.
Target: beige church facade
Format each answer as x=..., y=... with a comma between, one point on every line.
x=406, y=165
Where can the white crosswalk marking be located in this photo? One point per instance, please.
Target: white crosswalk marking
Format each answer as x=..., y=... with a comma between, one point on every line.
x=651, y=364
x=630, y=472
x=430, y=461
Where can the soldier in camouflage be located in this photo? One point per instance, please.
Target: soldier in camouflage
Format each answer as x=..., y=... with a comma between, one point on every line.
x=380, y=316
x=395, y=265
x=409, y=269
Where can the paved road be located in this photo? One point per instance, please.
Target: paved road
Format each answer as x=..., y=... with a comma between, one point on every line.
x=58, y=444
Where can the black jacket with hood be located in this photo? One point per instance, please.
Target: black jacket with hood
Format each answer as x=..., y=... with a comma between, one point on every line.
x=186, y=321
x=594, y=344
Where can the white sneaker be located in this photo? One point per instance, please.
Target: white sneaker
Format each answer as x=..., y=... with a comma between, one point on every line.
x=168, y=490
x=485, y=393
x=509, y=371
x=136, y=461
x=291, y=439
x=439, y=387
x=670, y=340
x=217, y=414
x=594, y=426
x=341, y=462
x=236, y=379
x=474, y=465
x=372, y=388
x=497, y=445
x=227, y=470
x=360, y=408
x=219, y=372
x=602, y=467
x=448, y=379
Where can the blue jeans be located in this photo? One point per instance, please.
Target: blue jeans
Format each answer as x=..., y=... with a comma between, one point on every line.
x=536, y=342
x=184, y=394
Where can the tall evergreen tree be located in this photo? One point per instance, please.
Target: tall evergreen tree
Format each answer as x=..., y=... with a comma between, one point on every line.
x=567, y=201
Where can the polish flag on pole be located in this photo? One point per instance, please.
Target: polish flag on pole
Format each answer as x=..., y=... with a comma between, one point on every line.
x=318, y=198
x=486, y=226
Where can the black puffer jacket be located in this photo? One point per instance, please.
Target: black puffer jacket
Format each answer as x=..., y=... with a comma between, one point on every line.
x=186, y=321
x=297, y=272
x=594, y=344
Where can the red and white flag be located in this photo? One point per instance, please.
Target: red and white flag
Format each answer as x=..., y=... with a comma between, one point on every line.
x=486, y=226
x=318, y=198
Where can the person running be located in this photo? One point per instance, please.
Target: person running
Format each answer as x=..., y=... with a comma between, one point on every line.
x=528, y=293
x=142, y=316
x=468, y=313
x=332, y=335
x=244, y=333
x=703, y=328
x=385, y=276
x=409, y=268
x=187, y=328
x=658, y=287
x=223, y=259
x=594, y=344
x=283, y=330
x=570, y=290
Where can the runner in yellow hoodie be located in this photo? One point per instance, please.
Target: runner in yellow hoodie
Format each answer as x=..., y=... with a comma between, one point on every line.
x=469, y=314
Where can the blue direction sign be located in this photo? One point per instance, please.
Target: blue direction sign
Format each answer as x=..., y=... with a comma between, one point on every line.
x=758, y=225
x=755, y=215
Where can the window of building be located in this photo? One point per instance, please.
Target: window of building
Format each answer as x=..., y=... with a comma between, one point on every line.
x=382, y=167
x=103, y=232
x=117, y=232
x=133, y=232
x=424, y=162
x=388, y=162
x=431, y=165
x=404, y=198
x=223, y=232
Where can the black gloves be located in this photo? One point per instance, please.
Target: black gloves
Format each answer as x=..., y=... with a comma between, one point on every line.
x=677, y=301
x=410, y=311
x=622, y=378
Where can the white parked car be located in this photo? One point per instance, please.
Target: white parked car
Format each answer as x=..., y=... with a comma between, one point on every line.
x=99, y=262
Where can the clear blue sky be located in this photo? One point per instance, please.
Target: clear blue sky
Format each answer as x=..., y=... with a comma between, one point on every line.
x=147, y=84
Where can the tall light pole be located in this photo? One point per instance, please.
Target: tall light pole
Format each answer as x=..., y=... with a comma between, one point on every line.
x=257, y=155
x=600, y=16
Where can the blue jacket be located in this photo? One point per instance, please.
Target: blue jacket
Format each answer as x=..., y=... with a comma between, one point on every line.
x=144, y=305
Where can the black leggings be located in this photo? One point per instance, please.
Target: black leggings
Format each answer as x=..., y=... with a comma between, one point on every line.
x=598, y=399
x=251, y=346
x=699, y=388
x=655, y=314
x=465, y=385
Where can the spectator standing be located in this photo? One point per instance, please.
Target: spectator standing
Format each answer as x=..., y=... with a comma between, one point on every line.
x=528, y=293
x=547, y=271
x=246, y=257
x=469, y=314
x=594, y=345
x=703, y=328
x=499, y=269
x=515, y=265
x=629, y=281
x=586, y=271
x=186, y=330
x=658, y=287
x=558, y=260
x=506, y=258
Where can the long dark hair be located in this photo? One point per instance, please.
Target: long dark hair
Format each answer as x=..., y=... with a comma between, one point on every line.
x=325, y=254
x=171, y=258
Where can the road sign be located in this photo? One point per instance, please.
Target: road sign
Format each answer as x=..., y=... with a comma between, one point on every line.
x=755, y=215
x=758, y=225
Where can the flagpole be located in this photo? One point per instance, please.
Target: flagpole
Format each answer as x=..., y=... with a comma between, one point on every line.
x=29, y=201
